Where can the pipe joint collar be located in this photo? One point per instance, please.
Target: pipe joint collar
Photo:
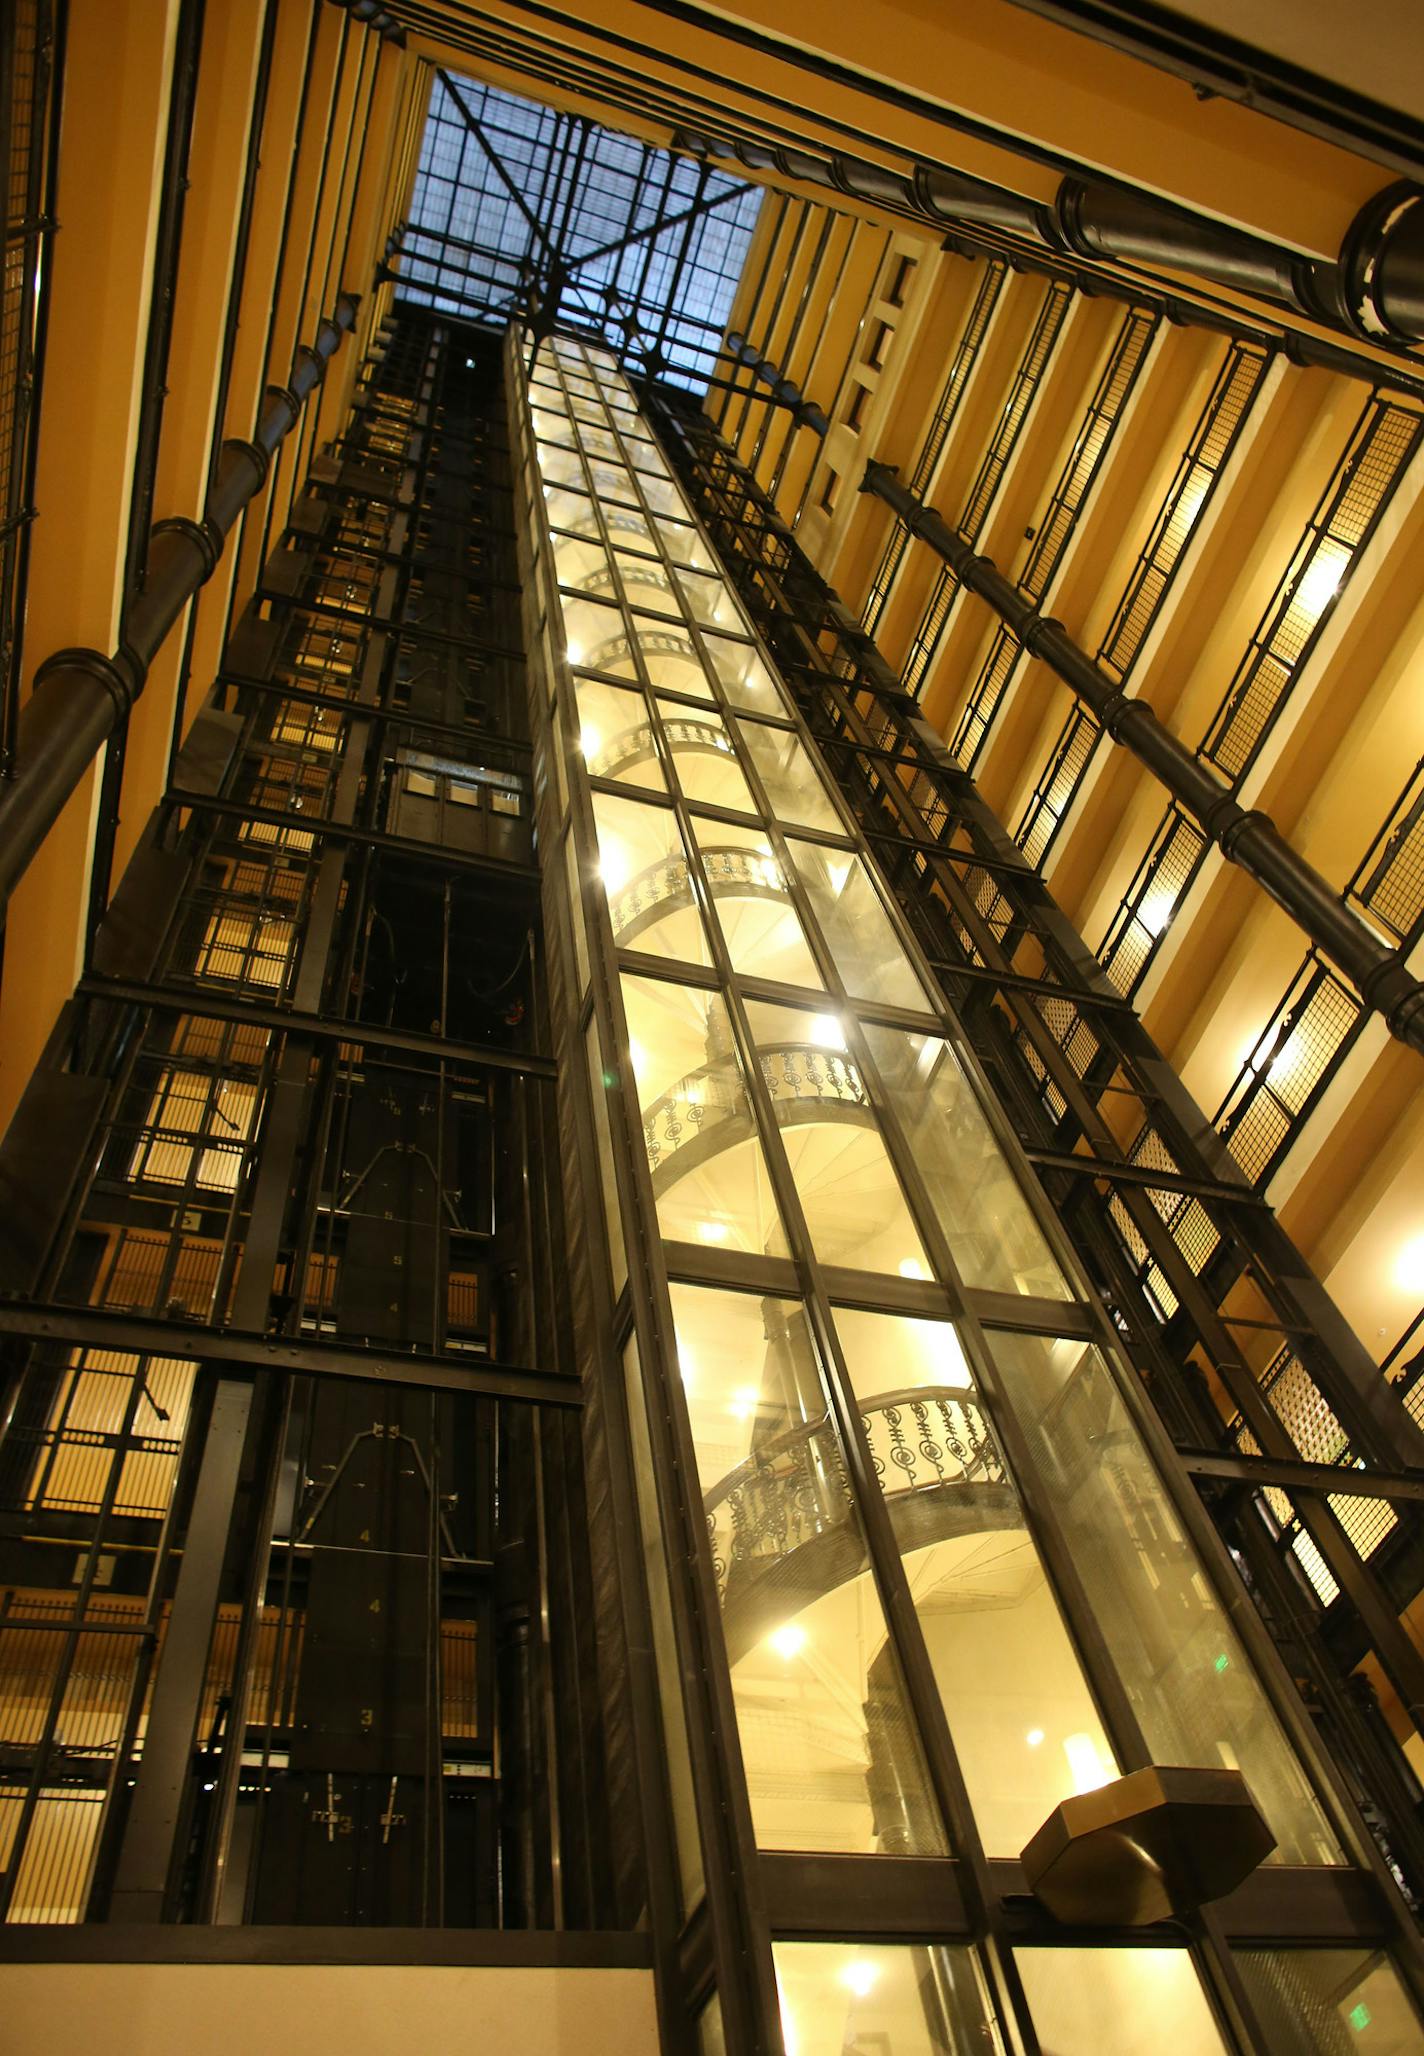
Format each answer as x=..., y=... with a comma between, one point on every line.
x=205, y=536
x=285, y=397
x=252, y=453
x=1381, y=226
x=1227, y=821
x=1400, y=998
x=121, y=676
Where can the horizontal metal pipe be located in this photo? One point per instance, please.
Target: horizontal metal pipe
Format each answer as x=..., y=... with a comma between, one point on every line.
x=1374, y=289
x=784, y=389
x=80, y=697
x=1245, y=836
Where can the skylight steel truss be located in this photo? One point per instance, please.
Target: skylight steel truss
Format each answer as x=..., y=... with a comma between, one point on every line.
x=529, y=211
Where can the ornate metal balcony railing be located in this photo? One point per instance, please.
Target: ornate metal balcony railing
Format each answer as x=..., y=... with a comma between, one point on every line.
x=1313, y=1029
x=956, y=383
x=1055, y=526
x=1027, y=381
x=666, y=888
x=1384, y=441
x=928, y=1441
x=1389, y=882
x=639, y=745
x=708, y=1110
x=1147, y=588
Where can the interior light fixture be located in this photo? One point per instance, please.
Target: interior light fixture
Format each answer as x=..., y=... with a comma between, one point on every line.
x=590, y=741
x=613, y=866
x=911, y=1267
x=1409, y=1266
x=860, y=1977
x=743, y=1403
x=1085, y=1763
x=712, y=1231
x=1321, y=582
x=1156, y=912
x=827, y=1032
x=788, y=1640
x=1034, y=1737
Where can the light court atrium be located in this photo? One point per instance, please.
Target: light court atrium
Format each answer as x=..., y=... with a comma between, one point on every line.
x=711, y=1147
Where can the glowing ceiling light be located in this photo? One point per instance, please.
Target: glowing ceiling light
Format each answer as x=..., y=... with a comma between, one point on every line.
x=1034, y=1738
x=574, y=651
x=838, y=874
x=911, y=1267
x=827, y=1032
x=686, y=1369
x=712, y=1231
x=1321, y=582
x=1085, y=1764
x=788, y=1640
x=590, y=741
x=1409, y=1266
x=613, y=866
x=940, y=1349
x=1156, y=912
x=859, y=1977
x=743, y=1402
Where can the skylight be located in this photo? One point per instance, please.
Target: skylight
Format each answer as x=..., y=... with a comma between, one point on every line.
x=523, y=210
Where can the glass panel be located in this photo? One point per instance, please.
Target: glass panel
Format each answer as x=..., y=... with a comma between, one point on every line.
x=664, y=498
x=829, y=1749
x=655, y=1559
x=685, y=546
x=644, y=870
x=992, y=1235
x=851, y=1198
x=616, y=736
x=612, y=482
x=709, y=1175
x=745, y=678
x=763, y=934
x=581, y=565
x=1019, y=1710
x=571, y=879
x=671, y=657
x=550, y=425
x=571, y=511
x=1330, y=2002
x=793, y=785
x=709, y=600
x=592, y=635
x=859, y=933
x=629, y=525
x=703, y=752
x=1178, y=1657
x=644, y=455
x=711, y=2040
x=852, y=1999
x=1118, y=2002
x=595, y=438
x=560, y=467
x=647, y=583
x=598, y=1081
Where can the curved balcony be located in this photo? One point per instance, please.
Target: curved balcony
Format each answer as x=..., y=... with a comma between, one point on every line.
x=647, y=574
x=685, y=733
x=666, y=888
x=654, y=642
x=708, y=1110
x=780, y=1523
